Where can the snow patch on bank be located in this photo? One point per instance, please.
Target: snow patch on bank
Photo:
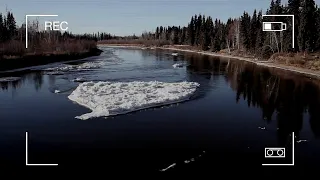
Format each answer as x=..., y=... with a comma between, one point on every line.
x=114, y=98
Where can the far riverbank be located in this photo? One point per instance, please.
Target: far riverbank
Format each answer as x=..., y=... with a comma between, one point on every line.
x=13, y=62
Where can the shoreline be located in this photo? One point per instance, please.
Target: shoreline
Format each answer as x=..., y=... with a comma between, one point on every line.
x=301, y=71
x=9, y=64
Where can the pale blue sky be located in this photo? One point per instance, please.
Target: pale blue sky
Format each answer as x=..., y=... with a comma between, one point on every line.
x=125, y=17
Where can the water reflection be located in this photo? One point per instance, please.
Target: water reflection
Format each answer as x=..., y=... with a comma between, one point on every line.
x=5, y=85
x=36, y=78
x=282, y=96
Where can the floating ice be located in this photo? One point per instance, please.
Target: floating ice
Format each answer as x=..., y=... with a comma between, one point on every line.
x=83, y=66
x=114, y=98
x=300, y=141
x=9, y=79
x=174, y=54
x=178, y=65
x=78, y=79
x=171, y=166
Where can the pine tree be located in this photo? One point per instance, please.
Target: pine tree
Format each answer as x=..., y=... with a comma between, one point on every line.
x=307, y=28
x=317, y=36
x=1, y=28
x=293, y=8
x=198, y=31
x=191, y=32
x=216, y=39
x=244, y=30
x=259, y=35
x=253, y=30
x=157, y=33
x=11, y=25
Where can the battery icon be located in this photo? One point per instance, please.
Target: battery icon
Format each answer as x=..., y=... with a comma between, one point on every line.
x=274, y=26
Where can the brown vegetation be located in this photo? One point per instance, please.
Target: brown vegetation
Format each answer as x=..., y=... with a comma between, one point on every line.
x=309, y=61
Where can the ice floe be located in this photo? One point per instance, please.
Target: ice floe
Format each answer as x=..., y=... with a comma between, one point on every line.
x=171, y=166
x=178, y=65
x=114, y=98
x=185, y=162
x=79, y=79
x=9, y=79
x=302, y=140
x=174, y=54
x=83, y=66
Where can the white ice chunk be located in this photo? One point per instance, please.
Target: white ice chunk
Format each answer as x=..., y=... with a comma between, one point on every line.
x=178, y=65
x=301, y=141
x=9, y=79
x=114, y=98
x=171, y=166
x=83, y=66
x=79, y=79
x=174, y=54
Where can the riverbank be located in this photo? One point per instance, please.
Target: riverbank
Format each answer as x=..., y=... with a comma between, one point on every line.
x=265, y=63
x=16, y=62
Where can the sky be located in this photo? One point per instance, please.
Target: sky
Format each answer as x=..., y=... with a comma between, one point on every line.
x=127, y=17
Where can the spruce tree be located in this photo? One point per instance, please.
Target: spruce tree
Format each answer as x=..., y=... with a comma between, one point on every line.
x=259, y=35
x=1, y=28
x=11, y=25
x=253, y=31
x=293, y=8
x=245, y=30
x=307, y=28
x=191, y=32
x=317, y=36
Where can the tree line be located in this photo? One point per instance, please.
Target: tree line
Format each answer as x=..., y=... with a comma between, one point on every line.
x=245, y=33
x=12, y=39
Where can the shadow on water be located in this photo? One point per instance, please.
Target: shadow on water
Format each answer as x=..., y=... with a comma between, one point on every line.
x=35, y=77
x=283, y=96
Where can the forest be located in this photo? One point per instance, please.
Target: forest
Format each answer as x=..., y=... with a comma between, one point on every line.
x=244, y=35
x=12, y=39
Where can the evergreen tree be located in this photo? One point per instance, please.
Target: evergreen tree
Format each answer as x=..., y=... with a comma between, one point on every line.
x=253, y=30
x=293, y=8
x=11, y=25
x=198, y=31
x=191, y=32
x=259, y=35
x=307, y=28
x=1, y=28
x=317, y=36
x=245, y=30
x=157, y=33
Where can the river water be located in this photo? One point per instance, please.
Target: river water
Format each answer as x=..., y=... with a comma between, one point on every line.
x=239, y=110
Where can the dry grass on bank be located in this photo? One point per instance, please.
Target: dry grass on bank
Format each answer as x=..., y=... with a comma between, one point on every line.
x=308, y=61
x=13, y=49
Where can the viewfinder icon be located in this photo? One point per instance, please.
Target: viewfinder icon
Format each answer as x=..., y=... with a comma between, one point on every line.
x=274, y=153
x=274, y=26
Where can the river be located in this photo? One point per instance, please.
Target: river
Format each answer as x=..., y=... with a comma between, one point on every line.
x=238, y=110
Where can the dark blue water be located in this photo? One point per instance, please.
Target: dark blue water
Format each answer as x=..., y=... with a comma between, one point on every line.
x=238, y=110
